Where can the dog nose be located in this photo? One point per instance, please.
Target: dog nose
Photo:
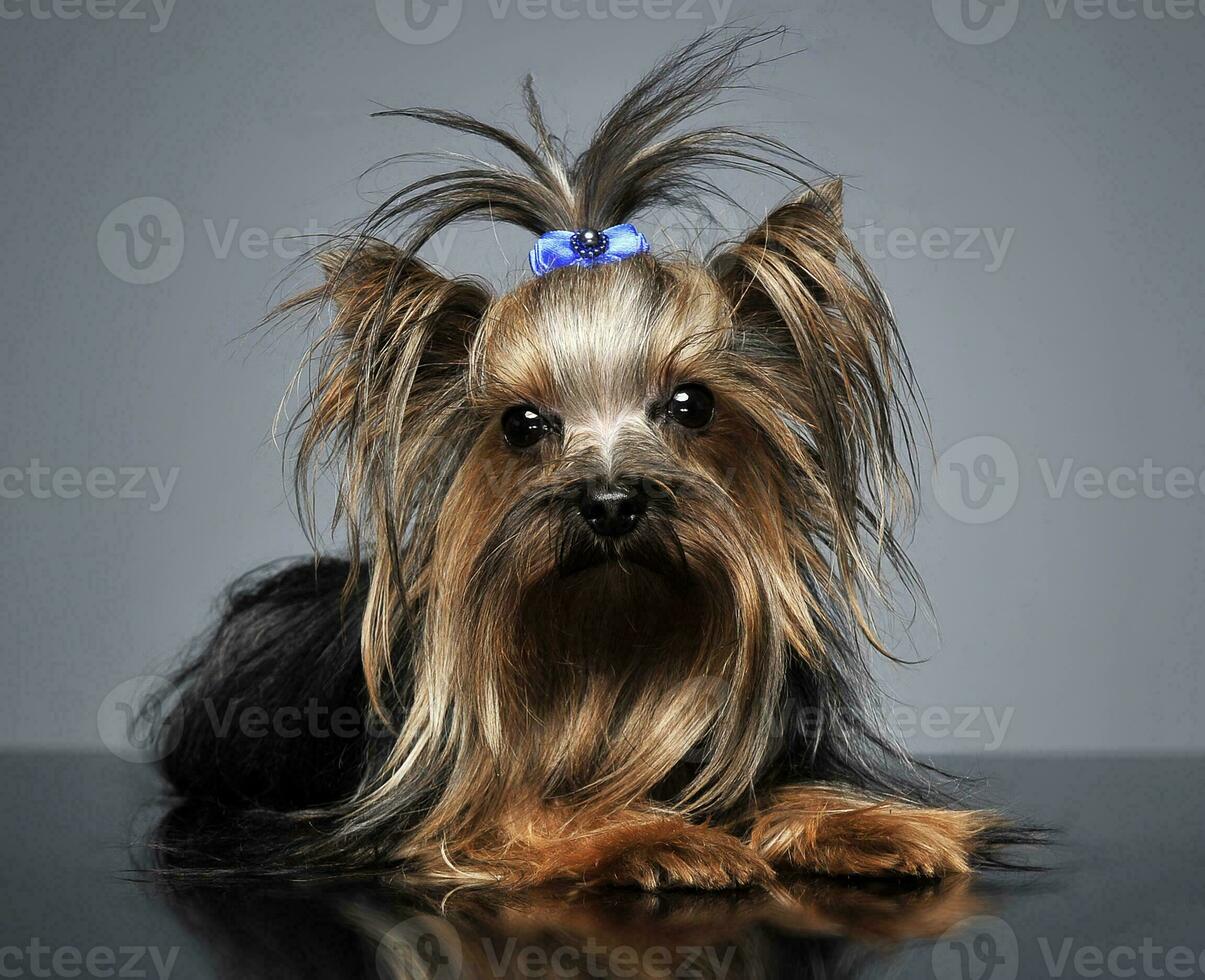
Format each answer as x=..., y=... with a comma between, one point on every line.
x=612, y=510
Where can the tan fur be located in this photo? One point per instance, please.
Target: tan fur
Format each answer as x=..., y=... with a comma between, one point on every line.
x=820, y=828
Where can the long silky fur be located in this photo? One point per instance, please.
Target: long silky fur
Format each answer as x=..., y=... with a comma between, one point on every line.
x=410, y=631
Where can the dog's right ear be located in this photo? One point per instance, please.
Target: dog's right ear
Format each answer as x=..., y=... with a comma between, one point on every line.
x=387, y=302
x=388, y=374
x=394, y=351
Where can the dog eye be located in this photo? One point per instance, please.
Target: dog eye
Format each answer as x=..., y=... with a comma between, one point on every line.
x=523, y=426
x=691, y=405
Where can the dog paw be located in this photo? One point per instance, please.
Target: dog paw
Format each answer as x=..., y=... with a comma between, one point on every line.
x=666, y=854
x=877, y=839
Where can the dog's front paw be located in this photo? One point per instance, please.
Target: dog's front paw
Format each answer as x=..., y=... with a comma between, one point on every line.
x=656, y=853
x=822, y=832
x=695, y=857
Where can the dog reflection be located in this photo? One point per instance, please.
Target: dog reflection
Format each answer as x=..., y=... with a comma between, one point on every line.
x=812, y=928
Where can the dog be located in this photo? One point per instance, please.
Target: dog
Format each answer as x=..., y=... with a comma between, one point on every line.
x=615, y=537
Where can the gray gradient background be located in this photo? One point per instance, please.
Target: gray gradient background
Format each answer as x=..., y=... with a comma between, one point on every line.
x=1080, y=616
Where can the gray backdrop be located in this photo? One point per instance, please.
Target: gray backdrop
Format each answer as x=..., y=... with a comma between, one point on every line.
x=1025, y=178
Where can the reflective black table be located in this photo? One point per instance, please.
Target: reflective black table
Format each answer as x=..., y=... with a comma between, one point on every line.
x=1126, y=900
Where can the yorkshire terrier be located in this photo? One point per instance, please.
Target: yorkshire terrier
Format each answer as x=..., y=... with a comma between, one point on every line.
x=615, y=539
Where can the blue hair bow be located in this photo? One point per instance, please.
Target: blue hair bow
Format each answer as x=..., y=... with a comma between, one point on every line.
x=585, y=247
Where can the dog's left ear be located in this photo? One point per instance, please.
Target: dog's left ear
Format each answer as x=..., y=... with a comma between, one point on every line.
x=821, y=348
x=797, y=245
x=809, y=312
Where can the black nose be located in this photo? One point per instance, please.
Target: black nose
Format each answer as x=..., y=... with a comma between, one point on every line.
x=610, y=509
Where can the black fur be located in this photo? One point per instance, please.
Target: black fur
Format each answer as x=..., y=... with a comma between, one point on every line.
x=272, y=707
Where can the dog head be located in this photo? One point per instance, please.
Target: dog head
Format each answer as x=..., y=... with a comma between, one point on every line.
x=614, y=504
